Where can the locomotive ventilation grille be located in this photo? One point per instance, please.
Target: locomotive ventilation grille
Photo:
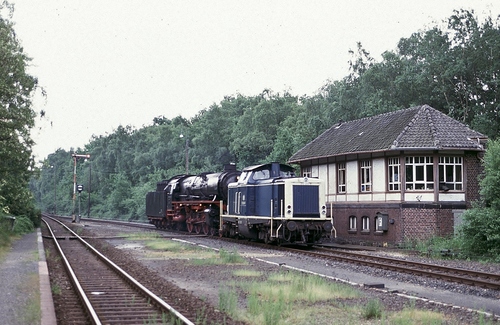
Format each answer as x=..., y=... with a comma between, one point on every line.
x=306, y=201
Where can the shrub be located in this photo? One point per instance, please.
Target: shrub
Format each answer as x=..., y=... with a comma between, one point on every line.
x=480, y=234
x=23, y=225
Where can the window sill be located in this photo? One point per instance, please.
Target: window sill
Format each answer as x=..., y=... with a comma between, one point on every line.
x=365, y=232
x=352, y=231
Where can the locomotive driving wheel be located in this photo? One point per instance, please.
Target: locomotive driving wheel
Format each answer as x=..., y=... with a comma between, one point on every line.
x=190, y=227
x=205, y=228
x=197, y=228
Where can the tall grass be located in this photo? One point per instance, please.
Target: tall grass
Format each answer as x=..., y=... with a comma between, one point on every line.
x=224, y=257
x=228, y=301
x=433, y=247
x=373, y=309
x=5, y=233
x=281, y=295
x=411, y=315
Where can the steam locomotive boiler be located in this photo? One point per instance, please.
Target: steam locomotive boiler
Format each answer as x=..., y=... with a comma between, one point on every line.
x=190, y=202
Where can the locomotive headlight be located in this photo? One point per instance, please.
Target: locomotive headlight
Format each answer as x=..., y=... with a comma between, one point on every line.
x=323, y=210
x=289, y=209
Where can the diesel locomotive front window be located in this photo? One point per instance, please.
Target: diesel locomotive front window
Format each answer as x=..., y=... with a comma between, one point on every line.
x=244, y=177
x=261, y=174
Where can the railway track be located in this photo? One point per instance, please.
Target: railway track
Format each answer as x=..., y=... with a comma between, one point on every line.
x=444, y=273
x=457, y=275
x=463, y=276
x=106, y=293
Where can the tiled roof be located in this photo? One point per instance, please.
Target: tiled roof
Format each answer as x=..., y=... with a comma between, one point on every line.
x=412, y=128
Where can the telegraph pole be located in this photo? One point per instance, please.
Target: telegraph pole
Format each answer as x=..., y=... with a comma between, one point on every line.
x=75, y=158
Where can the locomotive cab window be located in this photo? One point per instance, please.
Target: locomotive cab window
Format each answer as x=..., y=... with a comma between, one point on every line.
x=261, y=174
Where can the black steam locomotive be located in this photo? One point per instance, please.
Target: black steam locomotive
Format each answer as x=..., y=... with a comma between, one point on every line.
x=264, y=202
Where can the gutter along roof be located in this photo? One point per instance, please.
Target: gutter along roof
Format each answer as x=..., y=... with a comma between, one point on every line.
x=419, y=127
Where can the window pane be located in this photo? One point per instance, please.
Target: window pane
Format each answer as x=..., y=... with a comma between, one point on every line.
x=419, y=173
x=409, y=173
x=441, y=173
x=430, y=173
x=458, y=171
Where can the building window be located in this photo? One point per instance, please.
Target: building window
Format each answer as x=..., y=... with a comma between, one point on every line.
x=352, y=223
x=419, y=173
x=341, y=180
x=307, y=171
x=366, y=176
x=450, y=173
x=394, y=181
x=378, y=223
x=366, y=223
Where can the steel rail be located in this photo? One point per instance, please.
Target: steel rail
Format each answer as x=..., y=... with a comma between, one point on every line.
x=425, y=269
x=76, y=284
x=160, y=302
x=472, y=273
x=417, y=268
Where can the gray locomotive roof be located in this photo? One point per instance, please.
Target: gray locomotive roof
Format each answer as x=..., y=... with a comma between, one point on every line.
x=256, y=167
x=419, y=127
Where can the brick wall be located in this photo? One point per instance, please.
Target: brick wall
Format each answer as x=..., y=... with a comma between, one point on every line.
x=409, y=224
x=424, y=223
x=473, y=170
x=371, y=237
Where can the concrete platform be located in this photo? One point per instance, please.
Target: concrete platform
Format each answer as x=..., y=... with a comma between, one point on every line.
x=46, y=303
x=24, y=281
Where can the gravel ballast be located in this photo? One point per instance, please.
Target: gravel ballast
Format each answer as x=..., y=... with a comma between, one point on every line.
x=462, y=301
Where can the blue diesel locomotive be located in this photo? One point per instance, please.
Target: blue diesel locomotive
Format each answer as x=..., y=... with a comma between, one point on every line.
x=269, y=203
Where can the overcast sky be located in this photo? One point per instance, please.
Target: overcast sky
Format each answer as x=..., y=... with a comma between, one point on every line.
x=119, y=62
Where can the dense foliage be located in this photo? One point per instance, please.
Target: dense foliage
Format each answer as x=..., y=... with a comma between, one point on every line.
x=480, y=234
x=454, y=69
x=17, y=118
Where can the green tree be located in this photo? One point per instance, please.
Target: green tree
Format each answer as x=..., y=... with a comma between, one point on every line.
x=256, y=130
x=17, y=118
x=480, y=233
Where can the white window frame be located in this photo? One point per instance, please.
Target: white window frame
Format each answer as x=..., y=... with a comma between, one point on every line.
x=378, y=223
x=341, y=177
x=451, y=171
x=307, y=171
x=366, y=175
x=353, y=223
x=394, y=173
x=365, y=221
x=419, y=173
